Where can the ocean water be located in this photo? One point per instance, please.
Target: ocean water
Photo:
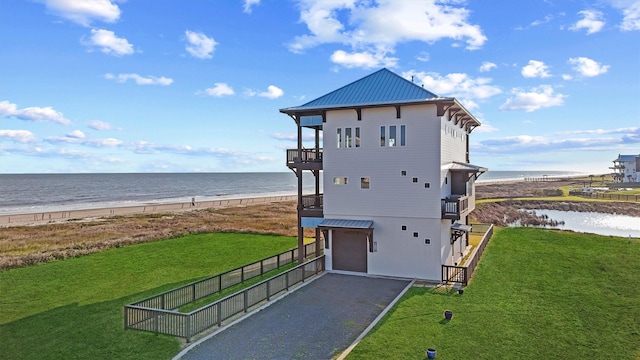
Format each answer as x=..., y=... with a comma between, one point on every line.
x=28, y=193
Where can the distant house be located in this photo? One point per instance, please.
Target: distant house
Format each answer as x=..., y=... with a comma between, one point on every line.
x=626, y=168
x=398, y=187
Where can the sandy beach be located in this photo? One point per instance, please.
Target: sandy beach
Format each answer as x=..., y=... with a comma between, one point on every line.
x=86, y=214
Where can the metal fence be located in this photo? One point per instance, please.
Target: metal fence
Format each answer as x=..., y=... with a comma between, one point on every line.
x=175, y=298
x=187, y=325
x=611, y=196
x=462, y=274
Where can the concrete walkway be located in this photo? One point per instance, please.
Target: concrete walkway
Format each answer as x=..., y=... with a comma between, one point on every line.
x=317, y=321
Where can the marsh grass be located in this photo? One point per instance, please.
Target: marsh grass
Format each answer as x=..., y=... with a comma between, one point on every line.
x=536, y=294
x=72, y=309
x=28, y=245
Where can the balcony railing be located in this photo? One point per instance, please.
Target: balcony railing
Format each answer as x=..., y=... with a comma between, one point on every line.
x=455, y=207
x=312, y=205
x=307, y=158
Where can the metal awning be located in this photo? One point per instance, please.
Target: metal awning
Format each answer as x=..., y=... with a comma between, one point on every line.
x=456, y=166
x=346, y=224
x=460, y=227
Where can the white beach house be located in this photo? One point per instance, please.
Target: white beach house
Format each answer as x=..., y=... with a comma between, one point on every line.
x=397, y=183
x=626, y=169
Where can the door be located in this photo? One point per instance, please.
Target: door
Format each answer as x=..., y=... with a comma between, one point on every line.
x=349, y=250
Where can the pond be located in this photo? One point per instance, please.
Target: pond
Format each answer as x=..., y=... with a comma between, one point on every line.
x=595, y=223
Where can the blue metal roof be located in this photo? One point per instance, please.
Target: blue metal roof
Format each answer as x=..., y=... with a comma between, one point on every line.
x=346, y=223
x=383, y=87
x=626, y=158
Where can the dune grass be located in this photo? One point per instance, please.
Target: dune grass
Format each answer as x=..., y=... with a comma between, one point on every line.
x=537, y=294
x=72, y=309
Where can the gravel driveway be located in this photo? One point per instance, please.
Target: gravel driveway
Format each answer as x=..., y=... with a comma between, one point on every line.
x=317, y=321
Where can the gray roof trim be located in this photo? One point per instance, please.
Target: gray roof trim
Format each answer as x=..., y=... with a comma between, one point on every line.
x=346, y=224
x=314, y=109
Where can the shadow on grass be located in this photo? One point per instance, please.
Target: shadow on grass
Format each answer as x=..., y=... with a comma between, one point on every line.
x=86, y=331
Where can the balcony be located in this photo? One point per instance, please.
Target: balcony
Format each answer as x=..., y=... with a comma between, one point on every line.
x=455, y=207
x=310, y=159
x=312, y=206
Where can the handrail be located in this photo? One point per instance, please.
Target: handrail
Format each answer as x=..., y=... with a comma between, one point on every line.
x=187, y=325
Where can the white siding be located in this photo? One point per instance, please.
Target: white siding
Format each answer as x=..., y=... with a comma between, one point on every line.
x=390, y=193
x=394, y=200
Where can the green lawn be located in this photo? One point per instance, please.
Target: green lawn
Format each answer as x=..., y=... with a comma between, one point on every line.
x=72, y=309
x=537, y=294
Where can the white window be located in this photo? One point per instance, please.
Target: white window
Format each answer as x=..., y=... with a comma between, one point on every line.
x=392, y=136
x=339, y=138
x=357, y=137
x=364, y=183
x=340, y=181
x=347, y=137
x=403, y=135
x=383, y=139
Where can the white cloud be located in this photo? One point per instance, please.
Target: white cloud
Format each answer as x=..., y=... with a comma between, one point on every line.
x=219, y=89
x=592, y=21
x=423, y=56
x=100, y=125
x=249, y=4
x=140, y=80
x=81, y=140
x=487, y=66
x=83, y=12
x=538, y=98
x=22, y=136
x=382, y=24
x=364, y=59
x=631, y=13
x=109, y=43
x=37, y=114
x=76, y=134
x=630, y=130
x=535, y=69
x=588, y=67
x=561, y=141
x=273, y=92
x=200, y=45
x=459, y=85
x=546, y=19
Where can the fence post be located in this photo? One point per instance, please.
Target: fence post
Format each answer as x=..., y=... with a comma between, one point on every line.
x=188, y=327
x=126, y=317
x=246, y=300
x=286, y=280
x=219, y=314
x=278, y=260
x=242, y=274
x=261, y=267
x=268, y=290
x=193, y=292
x=162, y=301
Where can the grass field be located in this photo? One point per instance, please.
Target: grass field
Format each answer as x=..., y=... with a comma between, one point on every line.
x=72, y=309
x=536, y=294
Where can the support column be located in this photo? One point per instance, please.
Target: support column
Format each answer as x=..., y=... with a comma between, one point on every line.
x=299, y=175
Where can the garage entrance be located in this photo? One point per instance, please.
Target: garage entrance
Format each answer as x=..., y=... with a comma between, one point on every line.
x=349, y=251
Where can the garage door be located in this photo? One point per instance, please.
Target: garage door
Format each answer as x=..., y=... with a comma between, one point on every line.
x=349, y=250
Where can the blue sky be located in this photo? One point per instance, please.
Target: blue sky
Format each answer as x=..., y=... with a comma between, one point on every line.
x=196, y=85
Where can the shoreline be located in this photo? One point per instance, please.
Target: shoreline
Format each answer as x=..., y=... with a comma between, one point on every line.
x=78, y=213
x=38, y=218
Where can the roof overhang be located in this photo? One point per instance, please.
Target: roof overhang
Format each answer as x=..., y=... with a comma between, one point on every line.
x=346, y=224
x=460, y=227
x=469, y=169
x=458, y=230
x=451, y=107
